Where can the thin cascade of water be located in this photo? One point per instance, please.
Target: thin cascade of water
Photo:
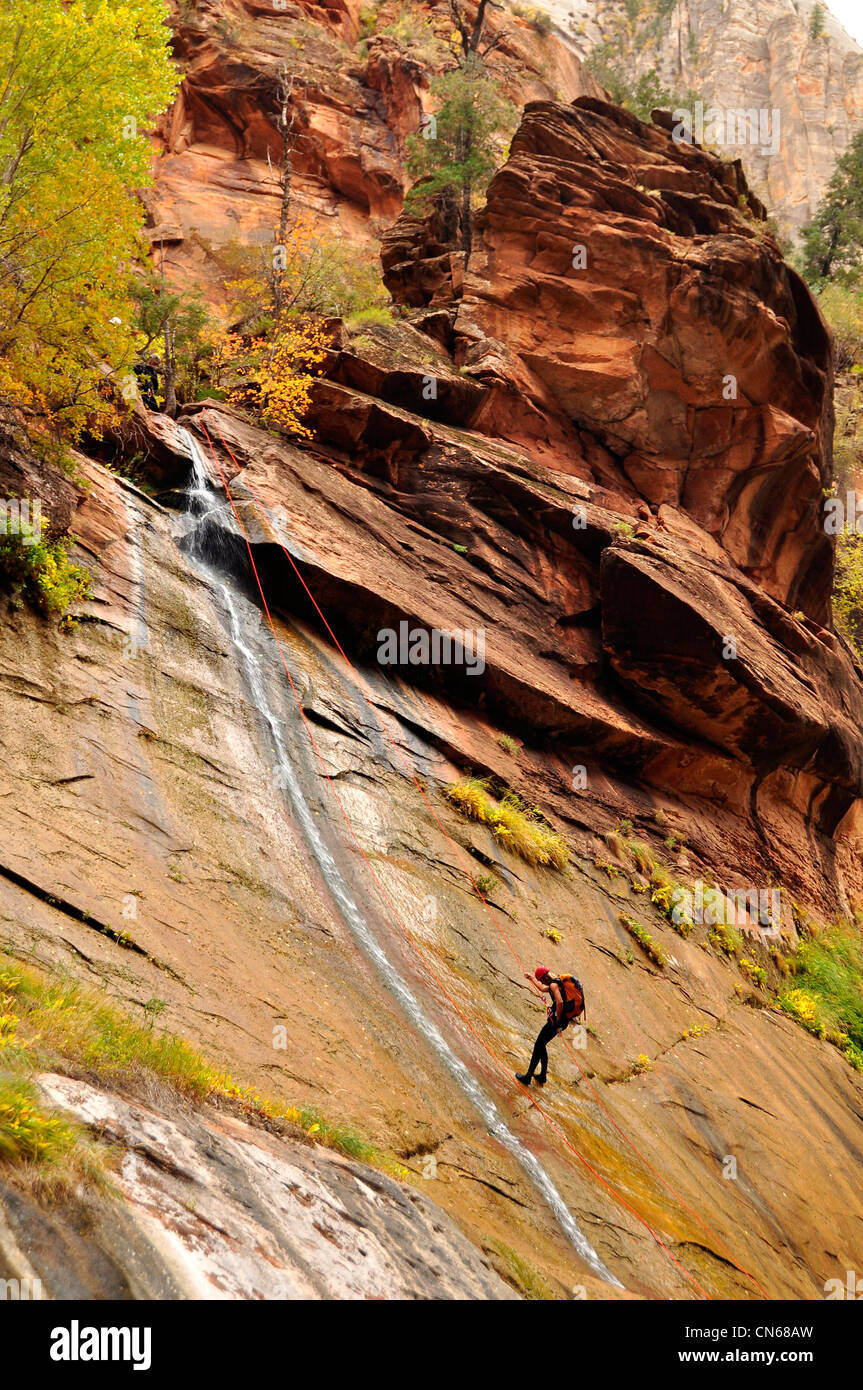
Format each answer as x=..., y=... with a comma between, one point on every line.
x=206, y=537
x=202, y=504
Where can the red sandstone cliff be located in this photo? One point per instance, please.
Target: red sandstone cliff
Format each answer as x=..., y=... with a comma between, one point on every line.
x=579, y=486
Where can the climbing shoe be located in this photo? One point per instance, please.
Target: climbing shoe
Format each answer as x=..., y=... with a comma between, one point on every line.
x=524, y=1079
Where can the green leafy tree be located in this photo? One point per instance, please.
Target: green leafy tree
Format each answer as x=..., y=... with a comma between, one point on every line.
x=832, y=242
x=830, y=259
x=458, y=149
x=178, y=321
x=37, y=570
x=80, y=82
x=848, y=591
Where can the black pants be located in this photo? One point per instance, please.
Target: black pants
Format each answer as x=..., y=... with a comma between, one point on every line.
x=540, y=1054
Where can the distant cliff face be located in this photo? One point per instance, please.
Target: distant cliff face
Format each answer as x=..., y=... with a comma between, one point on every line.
x=740, y=56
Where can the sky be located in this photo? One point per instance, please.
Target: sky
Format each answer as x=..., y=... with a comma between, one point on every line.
x=850, y=16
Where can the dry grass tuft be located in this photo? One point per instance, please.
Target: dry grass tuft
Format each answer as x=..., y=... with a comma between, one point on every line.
x=515, y=826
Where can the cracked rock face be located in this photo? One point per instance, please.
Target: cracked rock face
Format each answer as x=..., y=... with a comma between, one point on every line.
x=619, y=285
x=213, y=1209
x=150, y=779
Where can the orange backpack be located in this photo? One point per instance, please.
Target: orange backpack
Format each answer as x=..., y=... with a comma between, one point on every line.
x=573, y=997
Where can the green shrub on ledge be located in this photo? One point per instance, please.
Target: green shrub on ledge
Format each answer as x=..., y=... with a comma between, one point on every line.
x=38, y=571
x=650, y=947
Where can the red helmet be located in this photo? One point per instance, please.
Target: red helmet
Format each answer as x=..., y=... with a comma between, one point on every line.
x=541, y=972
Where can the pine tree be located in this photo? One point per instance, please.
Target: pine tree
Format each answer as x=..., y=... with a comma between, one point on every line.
x=832, y=243
x=816, y=22
x=455, y=154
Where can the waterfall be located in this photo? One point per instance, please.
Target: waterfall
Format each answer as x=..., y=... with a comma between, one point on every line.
x=209, y=519
x=203, y=504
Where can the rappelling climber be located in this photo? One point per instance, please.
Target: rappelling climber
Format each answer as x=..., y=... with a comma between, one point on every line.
x=147, y=373
x=566, y=1006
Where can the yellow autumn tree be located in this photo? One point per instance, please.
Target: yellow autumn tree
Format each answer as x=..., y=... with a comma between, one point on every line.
x=272, y=381
x=279, y=278
x=318, y=273
x=80, y=83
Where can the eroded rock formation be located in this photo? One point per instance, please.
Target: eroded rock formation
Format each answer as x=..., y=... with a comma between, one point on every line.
x=354, y=103
x=615, y=290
